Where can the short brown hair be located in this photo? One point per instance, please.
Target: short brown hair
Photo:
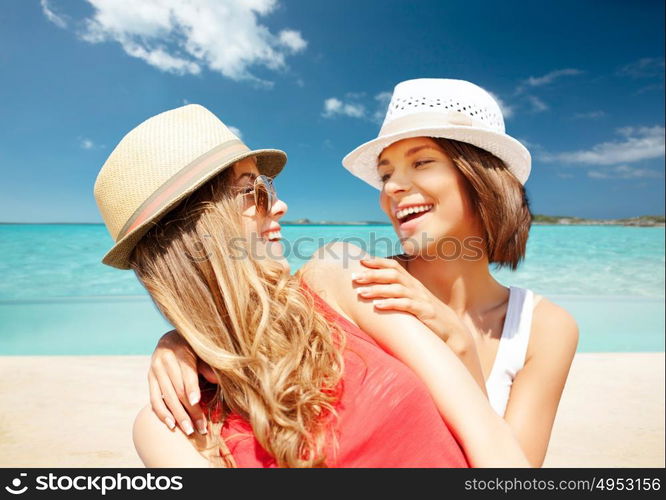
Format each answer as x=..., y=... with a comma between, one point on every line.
x=499, y=199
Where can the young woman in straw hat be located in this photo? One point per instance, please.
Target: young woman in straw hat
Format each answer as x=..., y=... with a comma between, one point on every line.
x=297, y=383
x=452, y=183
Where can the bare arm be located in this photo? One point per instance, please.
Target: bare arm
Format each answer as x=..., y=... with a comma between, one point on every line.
x=485, y=437
x=388, y=281
x=537, y=388
x=160, y=447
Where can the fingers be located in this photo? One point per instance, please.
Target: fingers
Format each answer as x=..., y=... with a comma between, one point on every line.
x=171, y=364
x=157, y=403
x=380, y=262
x=378, y=276
x=173, y=403
x=185, y=379
x=191, y=385
x=175, y=384
x=399, y=304
x=190, y=380
x=393, y=296
x=393, y=290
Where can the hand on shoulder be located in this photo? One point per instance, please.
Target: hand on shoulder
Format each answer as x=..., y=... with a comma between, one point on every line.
x=329, y=271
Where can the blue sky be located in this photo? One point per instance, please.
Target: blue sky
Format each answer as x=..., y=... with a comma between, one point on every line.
x=581, y=83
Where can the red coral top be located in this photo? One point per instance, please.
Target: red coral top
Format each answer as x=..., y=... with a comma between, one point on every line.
x=386, y=417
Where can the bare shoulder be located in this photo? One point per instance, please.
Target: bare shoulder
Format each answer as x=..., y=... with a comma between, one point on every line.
x=158, y=446
x=338, y=256
x=554, y=330
x=332, y=266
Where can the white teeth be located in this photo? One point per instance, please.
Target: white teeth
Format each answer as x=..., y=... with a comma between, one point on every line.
x=401, y=214
x=274, y=235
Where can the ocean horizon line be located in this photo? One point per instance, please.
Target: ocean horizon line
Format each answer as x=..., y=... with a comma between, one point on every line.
x=538, y=219
x=289, y=223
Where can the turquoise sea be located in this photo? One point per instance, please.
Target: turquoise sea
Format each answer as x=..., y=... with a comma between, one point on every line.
x=56, y=297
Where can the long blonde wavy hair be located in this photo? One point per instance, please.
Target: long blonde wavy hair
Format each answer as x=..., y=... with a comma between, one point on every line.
x=277, y=360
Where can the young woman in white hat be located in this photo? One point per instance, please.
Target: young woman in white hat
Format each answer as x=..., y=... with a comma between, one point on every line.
x=451, y=182
x=193, y=213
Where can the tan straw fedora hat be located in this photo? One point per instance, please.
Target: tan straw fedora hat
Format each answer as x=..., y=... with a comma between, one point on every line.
x=441, y=107
x=159, y=163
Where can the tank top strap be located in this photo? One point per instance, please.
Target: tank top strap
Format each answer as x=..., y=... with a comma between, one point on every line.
x=515, y=338
x=512, y=349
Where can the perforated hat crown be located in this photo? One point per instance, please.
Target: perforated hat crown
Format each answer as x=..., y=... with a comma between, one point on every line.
x=446, y=108
x=159, y=163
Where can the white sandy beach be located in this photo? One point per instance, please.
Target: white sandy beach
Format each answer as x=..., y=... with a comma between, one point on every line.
x=77, y=411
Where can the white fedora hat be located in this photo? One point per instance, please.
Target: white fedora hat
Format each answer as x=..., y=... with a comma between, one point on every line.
x=438, y=107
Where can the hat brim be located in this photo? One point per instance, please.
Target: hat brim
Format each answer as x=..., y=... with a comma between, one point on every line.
x=270, y=162
x=362, y=161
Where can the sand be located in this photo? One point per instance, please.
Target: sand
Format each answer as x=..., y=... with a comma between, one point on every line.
x=77, y=411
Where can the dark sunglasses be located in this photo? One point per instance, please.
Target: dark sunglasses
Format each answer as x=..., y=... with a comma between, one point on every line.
x=264, y=194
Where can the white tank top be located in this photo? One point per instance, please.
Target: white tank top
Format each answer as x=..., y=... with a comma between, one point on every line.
x=510, y=357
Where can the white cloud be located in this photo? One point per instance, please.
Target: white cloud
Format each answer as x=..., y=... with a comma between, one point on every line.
x=358, y=105
x=540, y=81
x=87, y=143
x=507, y=110
x=647, y=67
x=522, y=99
x=624, y=172
x=537, y=104
x=528, y=144
x=591, y=115
x=56, y=19
x=292, y=40
x=648, y=88
x=334, y=106
x=225, y=36
x=382, y=100
x=163, y=60
x=638, y=143
x=384, y=97
x=236, y=131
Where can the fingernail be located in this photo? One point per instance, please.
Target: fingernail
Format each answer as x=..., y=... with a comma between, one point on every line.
x=362, y=290
x=201, y=425
x=187, y=427
x=171, y=423
x=379, y=303
x=194, y=398
x=357, y=276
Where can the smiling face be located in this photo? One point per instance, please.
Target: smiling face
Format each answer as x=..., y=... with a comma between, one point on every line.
x=424, y=195
x=261, y=231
